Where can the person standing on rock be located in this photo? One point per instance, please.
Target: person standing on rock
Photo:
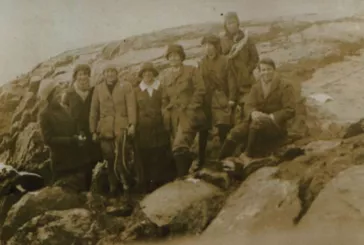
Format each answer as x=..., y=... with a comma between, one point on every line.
x=242, y=55
x=270, y=104
x=78, y=100
x=112, y=117
x=183, y=92
x=151, y=138
x=221, y=88
x=60, y=134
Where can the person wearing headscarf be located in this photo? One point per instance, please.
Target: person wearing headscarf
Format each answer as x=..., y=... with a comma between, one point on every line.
x=78, y=101
x=242, y=54
x=183, y=92
x=112, y=118
x=60, y=134
x=151, y=138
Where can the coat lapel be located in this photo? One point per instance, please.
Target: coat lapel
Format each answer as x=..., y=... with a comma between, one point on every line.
x=274, y=86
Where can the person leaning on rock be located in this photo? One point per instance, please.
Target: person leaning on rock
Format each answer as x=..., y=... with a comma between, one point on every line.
x=183, y=93
x=60, y=134
x=220, y=86
x=78, y=101
x=242, y=55
x=270, y=104
x=112, y=115
x=151, y=138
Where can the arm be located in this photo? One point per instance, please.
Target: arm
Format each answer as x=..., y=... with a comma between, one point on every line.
x=94, y=111
x=288, y=105
x=47, y=134
x=131, y=104
x=253, y=57
x=165, y=97
x=250, y=102
x=198, y=89
x=225, y=44
x=232, y=83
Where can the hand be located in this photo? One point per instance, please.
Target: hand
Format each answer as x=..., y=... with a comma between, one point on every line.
x=231, y=103
x=131, y=130
x=95, y=138
x=256, y=115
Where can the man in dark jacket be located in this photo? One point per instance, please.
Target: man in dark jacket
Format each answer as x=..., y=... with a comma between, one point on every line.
x=78, y=100
x=59, y=131
x=269, y=106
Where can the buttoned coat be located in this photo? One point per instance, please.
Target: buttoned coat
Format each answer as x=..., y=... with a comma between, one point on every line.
x=220, y=89
x=112, y=112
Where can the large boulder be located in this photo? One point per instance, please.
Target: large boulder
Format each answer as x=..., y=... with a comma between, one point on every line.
x=262, y=202
x=340, y=203
x=56, y=227
x=183, y=206
x=35, y=203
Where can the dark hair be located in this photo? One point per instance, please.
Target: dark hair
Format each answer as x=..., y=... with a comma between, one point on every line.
x=81, y=67
x=267, y=61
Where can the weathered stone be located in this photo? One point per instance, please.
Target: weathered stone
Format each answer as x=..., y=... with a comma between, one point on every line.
x=340, y=202
x=56, y=227
x=316, y=147
x=217, y=178
x=261, y=202
x=34, y=83
x=35, y=203
x=183, y=206
x=27, y=102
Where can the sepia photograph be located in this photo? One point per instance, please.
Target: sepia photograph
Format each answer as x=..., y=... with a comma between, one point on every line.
x=182, y=122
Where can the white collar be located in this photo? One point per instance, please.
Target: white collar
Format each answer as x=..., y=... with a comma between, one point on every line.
x=155, y=85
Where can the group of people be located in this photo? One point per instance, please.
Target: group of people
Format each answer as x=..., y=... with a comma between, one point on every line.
x=162, y=115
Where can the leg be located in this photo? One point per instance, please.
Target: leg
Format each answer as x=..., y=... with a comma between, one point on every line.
x=202, y=143
x=237, y=134
x=107, y=148
x=223, y=131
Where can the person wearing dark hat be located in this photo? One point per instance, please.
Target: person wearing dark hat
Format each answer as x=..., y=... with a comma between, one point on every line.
x=112, y=117
x=151, y=138
x=78, y=101
x=60, y=134
x=242, y=55
x=220, y=98
x=183, y=92
x=269, y=106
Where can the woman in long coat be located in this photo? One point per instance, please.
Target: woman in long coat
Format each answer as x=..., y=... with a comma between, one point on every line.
x=242, y=54
x=183, y=92
x=78, y=100
x=59, y=131
x=151, y=138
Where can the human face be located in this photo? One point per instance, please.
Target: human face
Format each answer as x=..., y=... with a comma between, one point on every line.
x=266, y=72
x=82, y=77
x=232, y=26
x=209, y=50
x=148, y=76
x=111, y=75
x=174, y=59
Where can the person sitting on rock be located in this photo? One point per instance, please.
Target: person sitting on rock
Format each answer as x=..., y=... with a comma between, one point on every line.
x=60, y=134
x=242, y=55
x=221, y=89
x=151, y=138
x=183, y=92
x=78, y=100
x=112, y=117
x=269, y=105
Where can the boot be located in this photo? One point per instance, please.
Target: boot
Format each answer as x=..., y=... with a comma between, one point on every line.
x=228, y=149
x=183, y=163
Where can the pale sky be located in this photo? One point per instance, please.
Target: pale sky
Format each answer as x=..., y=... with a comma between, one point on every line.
x=32, y=31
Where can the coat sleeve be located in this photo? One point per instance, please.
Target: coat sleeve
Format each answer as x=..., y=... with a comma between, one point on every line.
x=253, y=56
x=198, y=89
x=165, y=97
x=225, y=44
x=131, y=104
x=232, y=83
x=288, y=105
x=47, y=133
x=250, y=104
x=94, y=110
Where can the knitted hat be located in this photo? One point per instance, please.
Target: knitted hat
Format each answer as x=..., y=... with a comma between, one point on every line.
x=110, y=67
x=46, y=88
x=81, y=67
x=175, y=48
x=268, y=61
x=231, y=16
x=214, y=40
x=148, y=66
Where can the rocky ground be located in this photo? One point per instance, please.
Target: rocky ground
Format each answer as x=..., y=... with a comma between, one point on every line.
x=313, y=199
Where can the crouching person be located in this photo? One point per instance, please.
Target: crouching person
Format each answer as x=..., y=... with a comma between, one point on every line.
x=269, y=106
x=78, y=100
x=112, y=117
x=151, y=138
x=59, y=132
x=183, y=93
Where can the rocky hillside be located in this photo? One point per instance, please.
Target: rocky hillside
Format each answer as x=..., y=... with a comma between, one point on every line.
x=319, y=57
